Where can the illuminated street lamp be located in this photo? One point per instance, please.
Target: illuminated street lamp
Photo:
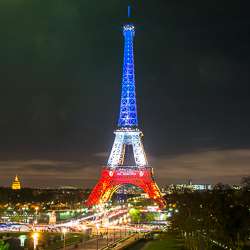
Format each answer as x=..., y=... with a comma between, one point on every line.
x=106, y=225
x=36, y=214
x=84, y=228
x=35, y=237
x=22, y=239
x=114, y=234
x=64, y=231
x=97, y=232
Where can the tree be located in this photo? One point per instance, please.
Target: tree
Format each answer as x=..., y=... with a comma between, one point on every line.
x=135, y=215
x=221, y=215
x=245, y=181
x=150, y=217
x=3, y=245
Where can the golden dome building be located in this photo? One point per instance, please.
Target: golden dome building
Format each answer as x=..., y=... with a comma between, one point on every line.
x=16, y=185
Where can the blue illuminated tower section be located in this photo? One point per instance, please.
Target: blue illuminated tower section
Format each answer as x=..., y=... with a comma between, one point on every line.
x=128, y=110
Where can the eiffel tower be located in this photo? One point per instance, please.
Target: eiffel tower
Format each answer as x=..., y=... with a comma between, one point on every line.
x=127, y=135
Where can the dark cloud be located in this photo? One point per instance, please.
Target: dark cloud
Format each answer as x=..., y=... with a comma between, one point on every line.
x=209, y=166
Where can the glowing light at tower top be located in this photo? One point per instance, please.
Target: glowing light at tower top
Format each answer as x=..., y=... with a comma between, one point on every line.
x=128, y=110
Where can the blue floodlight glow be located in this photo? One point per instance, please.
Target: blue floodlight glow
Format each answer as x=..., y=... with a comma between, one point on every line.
x=128, y=110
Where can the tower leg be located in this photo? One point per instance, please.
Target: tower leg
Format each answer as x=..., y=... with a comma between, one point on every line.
x=153, y=191
x=97, y=194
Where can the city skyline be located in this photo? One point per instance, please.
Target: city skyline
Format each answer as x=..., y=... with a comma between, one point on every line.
x=59, y=107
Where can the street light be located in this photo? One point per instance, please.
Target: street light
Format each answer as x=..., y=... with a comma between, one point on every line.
x=22, y=239
x=35, y=237
x=97, y=243
x=106, y=225
x=64, y=231
x=125, y=227
x=84, y=228
x=36, y=208
x=107, y=236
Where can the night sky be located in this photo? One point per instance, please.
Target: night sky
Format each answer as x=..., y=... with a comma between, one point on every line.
x=60, y=75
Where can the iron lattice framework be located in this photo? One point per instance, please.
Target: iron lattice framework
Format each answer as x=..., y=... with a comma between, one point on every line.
x=115, y=173
x=128, y=111
x=125, y=137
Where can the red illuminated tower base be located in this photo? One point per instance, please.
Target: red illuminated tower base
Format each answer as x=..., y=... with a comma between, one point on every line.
x=112, y=179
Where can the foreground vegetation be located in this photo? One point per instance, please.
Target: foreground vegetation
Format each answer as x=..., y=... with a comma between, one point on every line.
x=166, y=242
x=214, y=218
x=162, y=241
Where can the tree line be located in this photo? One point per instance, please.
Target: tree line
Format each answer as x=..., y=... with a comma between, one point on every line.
x=218, y=218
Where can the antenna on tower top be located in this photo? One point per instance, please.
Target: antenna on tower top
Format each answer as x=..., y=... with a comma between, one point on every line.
x=129, y=11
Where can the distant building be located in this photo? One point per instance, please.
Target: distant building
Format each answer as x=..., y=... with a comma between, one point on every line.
x=16, y=185
x=236, y=187
x=201, y=186
x=184, y=187
x=68, y=187
x=52, y=218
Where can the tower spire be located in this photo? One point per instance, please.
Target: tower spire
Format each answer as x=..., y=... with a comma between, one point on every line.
x=129, y=11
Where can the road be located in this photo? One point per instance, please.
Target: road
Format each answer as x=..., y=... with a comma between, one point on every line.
x=100, y=242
